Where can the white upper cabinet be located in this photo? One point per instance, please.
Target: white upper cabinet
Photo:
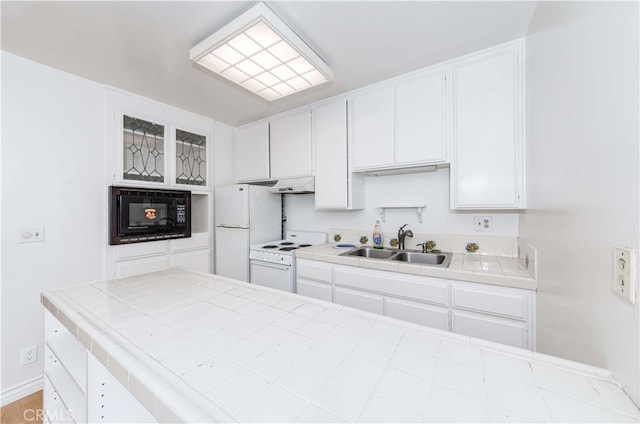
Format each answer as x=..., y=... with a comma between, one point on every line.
x=291, y=146
x=421, y=119
x=336, y=186
x=252, y=152
x=373, y=129
x=402, y=125
x=157, y=145
x=487, y=165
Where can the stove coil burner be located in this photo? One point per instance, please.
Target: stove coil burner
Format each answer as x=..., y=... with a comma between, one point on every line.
x=305, y=245
x=269, y=246
x=286, y=243
x=287, y=249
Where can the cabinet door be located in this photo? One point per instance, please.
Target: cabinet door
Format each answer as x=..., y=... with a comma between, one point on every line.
x=373, y=129
x=504, y=301
x=252, y=152
x=487, y=145
x=357, y=299
x=431, y=316
x=143, y=150
x=420, y=120
x=290, y=139
x=314, y=270
x=330, y=126
x=140, y=266
x=197, y=260
x=506, y=331
x=313, y=289
x=191, y=158
x=427, y=289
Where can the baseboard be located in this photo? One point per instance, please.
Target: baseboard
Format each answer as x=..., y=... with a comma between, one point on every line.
x=21, y=390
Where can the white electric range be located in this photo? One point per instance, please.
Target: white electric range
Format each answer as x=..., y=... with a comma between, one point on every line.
x=273, y=264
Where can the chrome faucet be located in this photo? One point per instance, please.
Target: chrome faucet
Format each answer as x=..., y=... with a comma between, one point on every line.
x=402, y=234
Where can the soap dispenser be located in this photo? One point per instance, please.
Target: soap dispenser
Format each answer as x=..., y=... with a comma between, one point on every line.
x=377, y=236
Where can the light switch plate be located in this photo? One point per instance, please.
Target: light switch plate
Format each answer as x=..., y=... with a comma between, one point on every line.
x=624, y=272
x=31, y=234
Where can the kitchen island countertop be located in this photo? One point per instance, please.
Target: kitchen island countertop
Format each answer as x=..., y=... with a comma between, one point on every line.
x=488, y=269
x=195, y=347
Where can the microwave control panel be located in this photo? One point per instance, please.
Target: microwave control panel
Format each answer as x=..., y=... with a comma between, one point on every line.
x=181, y=213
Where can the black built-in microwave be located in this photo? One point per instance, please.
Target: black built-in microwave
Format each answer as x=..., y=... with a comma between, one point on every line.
x=139, y=214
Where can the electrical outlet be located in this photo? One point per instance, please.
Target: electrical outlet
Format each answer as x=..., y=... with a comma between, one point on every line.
x=28, y=355
x=483, y=223
x=624, y=272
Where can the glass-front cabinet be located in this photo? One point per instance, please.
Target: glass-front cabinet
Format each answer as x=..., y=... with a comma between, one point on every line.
x=191, y=158
x=143, y=150
x=158, y=145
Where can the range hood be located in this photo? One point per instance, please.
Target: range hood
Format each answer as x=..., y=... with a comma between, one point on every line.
x=294, y=186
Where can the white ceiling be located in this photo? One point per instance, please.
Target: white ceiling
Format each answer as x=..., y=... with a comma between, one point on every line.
x=143, y=47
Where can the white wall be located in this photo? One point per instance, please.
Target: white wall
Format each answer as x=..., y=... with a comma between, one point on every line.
x=223, y=163
x=429, y=188
x=583, y=160
x=52, y=175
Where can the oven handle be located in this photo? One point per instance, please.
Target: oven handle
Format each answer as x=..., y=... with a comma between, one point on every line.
x=270, y=265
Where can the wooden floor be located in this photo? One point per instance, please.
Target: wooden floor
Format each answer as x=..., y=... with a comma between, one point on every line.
x=25, y=410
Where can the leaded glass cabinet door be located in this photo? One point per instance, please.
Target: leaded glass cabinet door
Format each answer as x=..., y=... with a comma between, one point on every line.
x=143, y=150
x=191, y=158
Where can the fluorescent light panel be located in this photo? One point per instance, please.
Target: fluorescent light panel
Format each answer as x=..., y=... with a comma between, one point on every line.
x=263, y=55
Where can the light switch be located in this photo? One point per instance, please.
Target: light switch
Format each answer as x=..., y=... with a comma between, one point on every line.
x=31, y=234
x=624, y=272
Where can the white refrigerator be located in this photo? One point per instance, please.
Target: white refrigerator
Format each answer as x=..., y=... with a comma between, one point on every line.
x=244, y=215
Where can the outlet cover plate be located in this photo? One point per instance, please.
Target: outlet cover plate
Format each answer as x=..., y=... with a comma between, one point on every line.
x=483, y=223
x=28, y=355
x=624, y=272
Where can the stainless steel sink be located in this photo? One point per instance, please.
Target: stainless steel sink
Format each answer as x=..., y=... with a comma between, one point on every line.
x=437, y=259
x=440, y=260
x=369, y=252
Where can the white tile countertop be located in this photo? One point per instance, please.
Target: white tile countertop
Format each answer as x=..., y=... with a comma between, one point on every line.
x=195, y=347
x=488, y=269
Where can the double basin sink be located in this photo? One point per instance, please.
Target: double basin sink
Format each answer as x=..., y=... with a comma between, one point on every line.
x=440, y=260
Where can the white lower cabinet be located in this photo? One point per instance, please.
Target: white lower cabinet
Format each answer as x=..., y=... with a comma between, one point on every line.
x=78, y=388
x=417, y=312
x=197, y=260
x=314, y=289
x=140, y=266
x=108, y=401
x=501, y=314
x=314, y=279
x=504, y=301
x=488, y=327
x=358, y=299
x=192, y=253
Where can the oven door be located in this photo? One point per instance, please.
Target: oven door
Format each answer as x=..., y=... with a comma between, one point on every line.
x=272, y=275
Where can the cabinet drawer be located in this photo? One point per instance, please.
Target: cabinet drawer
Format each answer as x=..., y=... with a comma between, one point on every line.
x=136, y=250
x=357, y=299
x=419, y=288
x=196, y=241
x=197, y=260
x=499, y=301
x=501, y=330
x=142, y=266
x=420, y=313
x=318, y=271
x=313, y=289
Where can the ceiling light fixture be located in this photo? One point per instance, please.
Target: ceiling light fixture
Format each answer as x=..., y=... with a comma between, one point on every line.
x=262, y=54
